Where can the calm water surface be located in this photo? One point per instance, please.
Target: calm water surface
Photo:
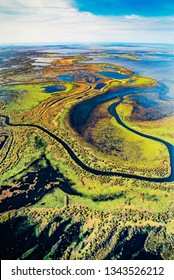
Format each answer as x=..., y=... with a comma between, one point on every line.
x=155, y=61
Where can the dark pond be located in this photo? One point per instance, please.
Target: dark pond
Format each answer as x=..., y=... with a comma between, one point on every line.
x=85, y=108
x=66, y=78
x=3, y=94
x=82, y=74
x=70, y=77
x=114, y=75
x=99, y=86
x=92, y=78
x=3, y=97
x=54, y=88
x=3, y=141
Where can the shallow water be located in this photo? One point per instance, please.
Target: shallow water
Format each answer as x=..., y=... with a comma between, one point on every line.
x=92, y=78
x=100, y=86
x=66, y=78
x=110, y=68
x=114, y=75
x=85, y=108
x=155, y=61
x=54, y=88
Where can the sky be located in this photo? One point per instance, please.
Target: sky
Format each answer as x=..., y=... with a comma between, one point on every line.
x=86, y=21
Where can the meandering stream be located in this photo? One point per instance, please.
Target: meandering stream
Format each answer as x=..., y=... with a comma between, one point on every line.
x=89, y=105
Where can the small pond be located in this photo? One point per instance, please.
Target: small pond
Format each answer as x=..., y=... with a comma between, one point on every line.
x=2, y=141
x=92, y=78
x=54, y=88
x=100, y=86
x=66, y=78
x=114, y=75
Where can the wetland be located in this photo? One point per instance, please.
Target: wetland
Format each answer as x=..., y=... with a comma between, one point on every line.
x=87, y=152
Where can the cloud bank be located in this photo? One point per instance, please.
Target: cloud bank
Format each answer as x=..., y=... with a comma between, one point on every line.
x=58, y=21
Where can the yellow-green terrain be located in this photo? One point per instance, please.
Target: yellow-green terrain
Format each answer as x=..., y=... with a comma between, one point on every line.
x=86, y=160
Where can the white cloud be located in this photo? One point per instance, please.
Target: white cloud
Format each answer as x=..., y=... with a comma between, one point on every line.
x=132, y=17
x=28, y=21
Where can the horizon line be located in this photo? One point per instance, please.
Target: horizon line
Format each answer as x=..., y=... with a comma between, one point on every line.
x=80, y=43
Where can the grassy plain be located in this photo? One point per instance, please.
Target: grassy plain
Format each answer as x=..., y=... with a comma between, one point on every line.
x=160, y=128
x=28, y=96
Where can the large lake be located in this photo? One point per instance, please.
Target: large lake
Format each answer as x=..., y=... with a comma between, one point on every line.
x=155, y=61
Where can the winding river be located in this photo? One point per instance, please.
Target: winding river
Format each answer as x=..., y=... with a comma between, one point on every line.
x=86, y=107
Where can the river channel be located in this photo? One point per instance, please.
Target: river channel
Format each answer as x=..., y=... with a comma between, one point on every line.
x=79, y=118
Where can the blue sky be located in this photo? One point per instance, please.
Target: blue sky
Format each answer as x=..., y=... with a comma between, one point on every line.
x=86, y=21
x=145, y=8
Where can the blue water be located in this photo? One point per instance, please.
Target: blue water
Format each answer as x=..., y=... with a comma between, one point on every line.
x=85, y=108
x=3, y=97
x=144, y=101
x=100, y=86
x=155, y=61
x=82, y=74
x=114, y=75
x=66, y=78
x=92, y=78
x=54, y=88
x=6, y=93
x=110, y=68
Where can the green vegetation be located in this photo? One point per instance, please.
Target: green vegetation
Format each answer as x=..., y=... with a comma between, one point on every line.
x=26, y=97
x=59, y=208
x=74, y=232
x=122, y=146
x=124, y=56
x=160, y=128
